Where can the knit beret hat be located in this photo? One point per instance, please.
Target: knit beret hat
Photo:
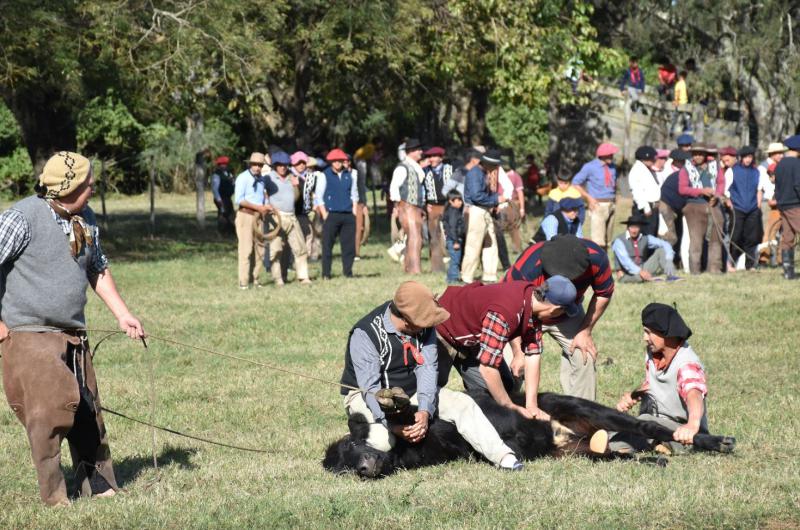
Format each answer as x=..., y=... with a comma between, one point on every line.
x=63, y=173
x=418, y=305
x=665, y=321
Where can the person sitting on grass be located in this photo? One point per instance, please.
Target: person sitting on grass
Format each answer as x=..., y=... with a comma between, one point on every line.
x=455, y=230
x=674, y=389
x=565, y=221
x=641, y=257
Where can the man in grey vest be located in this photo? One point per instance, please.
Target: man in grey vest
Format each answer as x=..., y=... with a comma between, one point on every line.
x=407, y=191
x=641, y=257
x=394, y=345
x=50, y=252
x=674, y=387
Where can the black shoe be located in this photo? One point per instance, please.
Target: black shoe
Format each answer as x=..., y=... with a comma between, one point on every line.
x=787, y=257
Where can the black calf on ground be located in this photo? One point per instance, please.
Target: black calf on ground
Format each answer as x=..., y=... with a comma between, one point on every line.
x=574, y=421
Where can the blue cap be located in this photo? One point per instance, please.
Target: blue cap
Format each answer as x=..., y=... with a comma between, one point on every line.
x=282, y=158
x=793, y=142
x=570, y=203
x=685, y=139
x=562, y=292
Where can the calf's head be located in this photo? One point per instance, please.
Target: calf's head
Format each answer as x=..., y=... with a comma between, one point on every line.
x=352, y=454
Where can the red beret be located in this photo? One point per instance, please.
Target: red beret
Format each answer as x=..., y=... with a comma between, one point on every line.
x=222, y=160
x=606, y=149
x=727, y=151
x=336, y=154
x=434, y=151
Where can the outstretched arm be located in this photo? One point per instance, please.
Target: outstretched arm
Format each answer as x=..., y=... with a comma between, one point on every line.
x=105, y=287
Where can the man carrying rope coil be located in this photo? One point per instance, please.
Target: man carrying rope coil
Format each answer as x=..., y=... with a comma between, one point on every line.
x=50, y=252
x=392, y=354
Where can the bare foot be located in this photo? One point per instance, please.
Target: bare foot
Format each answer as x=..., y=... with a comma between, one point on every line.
x=108, y=493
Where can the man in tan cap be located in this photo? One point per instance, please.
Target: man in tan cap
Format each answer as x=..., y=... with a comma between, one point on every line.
x=50, y=252
x=250, y=199
x=394, y=345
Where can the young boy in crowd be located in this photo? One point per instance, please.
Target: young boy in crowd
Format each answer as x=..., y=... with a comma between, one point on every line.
x=674, y=388
x=454, y=230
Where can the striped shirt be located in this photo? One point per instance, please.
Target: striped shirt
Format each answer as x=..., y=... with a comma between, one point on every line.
x=15, y=234
x=528, y=267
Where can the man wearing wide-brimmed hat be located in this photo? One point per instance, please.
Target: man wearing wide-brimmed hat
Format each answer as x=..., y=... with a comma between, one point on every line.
x=394, y=346
x=597, y=183
x=407, y=191
x=250, y=200
x=50, y=252
x=641, y=257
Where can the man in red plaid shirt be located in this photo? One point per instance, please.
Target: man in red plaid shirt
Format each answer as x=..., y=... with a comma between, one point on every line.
x=484, y=318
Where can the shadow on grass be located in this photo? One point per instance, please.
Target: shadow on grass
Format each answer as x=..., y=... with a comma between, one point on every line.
x=129, y=468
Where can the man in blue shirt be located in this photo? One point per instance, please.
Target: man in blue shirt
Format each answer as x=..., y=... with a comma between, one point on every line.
x=249, y=198
x=565, y=221
x=480, y=194
x=597, y=184
x=336, y=200
x=641, y=257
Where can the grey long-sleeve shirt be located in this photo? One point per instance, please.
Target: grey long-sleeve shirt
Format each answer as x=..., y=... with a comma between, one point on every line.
x=367, y=366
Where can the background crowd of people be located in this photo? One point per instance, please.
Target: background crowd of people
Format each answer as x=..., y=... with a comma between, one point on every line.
x=696, y=207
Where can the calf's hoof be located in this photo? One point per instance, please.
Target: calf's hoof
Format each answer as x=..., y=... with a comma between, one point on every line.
x=598, y=444
x=727, y=445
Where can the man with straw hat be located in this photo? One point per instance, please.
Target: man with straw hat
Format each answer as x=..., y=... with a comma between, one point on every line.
x=250, y=200
x=50, y=252
x=393, y=349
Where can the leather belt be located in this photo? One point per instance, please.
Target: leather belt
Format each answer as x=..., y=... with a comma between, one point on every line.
x=605, y=200
x=248, y=211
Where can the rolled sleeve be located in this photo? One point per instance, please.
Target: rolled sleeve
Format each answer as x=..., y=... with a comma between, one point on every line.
x=691, y=377
x=427, y=374
x=532, y=338
x=494, y=336
x=367, y=366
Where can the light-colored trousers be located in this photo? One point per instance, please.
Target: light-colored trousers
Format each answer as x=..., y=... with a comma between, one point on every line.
x=601, y=220
x=479, y=224
x=251, y=251
x=656, y=264
x=454, y=407
x=578, y=378
x=290, y=233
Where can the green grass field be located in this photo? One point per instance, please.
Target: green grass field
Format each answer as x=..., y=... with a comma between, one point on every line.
x=182, y=284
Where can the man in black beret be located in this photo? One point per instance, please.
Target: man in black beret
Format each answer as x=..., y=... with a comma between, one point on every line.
x=674, y=386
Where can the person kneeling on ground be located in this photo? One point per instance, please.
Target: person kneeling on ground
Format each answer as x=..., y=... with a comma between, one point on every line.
x=484, y=318
x=641, y=257
x=674, y=389
x=394, y=345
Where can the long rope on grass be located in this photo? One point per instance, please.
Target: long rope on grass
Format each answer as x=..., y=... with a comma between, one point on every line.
x=110, y=333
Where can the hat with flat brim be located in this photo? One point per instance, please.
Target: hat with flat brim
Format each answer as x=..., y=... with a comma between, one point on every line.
x=665, y=321
x=570, y=203
x=776, y=147
x=636, y=220
x=418, y=305
x=492, y=158
x=565, y=255
x=257, y=158
x=413, y=144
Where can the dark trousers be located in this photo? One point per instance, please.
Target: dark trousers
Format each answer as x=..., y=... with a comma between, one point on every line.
x=651, y=228
x=502, y=247
x=747, y=234
x=343, y=226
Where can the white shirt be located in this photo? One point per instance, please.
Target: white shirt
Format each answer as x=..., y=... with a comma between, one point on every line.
x=644, y=186
x=765, y=184
x=505, y=183
x=399, y=176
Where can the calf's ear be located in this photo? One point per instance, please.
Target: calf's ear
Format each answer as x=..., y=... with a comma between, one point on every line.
x=359, y=427
x=334, y=460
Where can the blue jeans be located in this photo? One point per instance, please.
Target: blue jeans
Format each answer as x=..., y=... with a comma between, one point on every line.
x=454, y=267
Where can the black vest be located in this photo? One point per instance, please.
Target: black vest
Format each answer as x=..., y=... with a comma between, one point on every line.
x=397, y=361
x=226, y=186
x=434, y=184
x=564, y=227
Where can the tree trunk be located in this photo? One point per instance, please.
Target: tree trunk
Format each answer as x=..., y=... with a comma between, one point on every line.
x=46, y=126
x=200, y=182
